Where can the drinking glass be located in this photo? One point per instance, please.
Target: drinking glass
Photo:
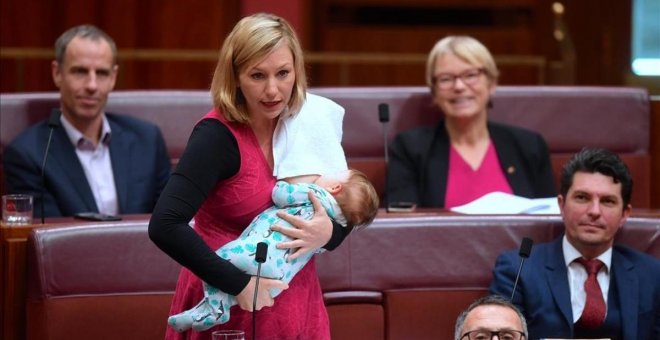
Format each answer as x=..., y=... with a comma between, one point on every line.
x=16, y=209
x=228, y=335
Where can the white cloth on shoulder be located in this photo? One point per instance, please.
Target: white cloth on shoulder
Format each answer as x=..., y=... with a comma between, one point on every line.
x=309, y=142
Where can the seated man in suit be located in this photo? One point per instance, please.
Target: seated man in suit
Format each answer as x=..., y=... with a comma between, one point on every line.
x=488, y=316
x=97, y=162
x=582, y=285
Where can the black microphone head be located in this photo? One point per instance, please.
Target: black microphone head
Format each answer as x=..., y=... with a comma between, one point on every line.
x=54, y=119
x=383, y=112
x=525, y=247
x=262, y=252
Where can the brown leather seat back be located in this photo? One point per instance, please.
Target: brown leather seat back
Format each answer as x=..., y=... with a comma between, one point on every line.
x=98, y=282
x=568, y=117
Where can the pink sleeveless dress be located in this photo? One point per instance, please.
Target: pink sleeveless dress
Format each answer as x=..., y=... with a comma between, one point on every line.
x=299, y=312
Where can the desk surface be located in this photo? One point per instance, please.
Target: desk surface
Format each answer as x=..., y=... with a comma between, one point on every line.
x=14, y=231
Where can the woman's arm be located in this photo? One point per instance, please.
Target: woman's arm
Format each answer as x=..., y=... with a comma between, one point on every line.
x=191, y=182
x=309, y=235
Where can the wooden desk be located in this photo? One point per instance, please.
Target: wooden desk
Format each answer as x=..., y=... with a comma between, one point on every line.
x=12, y=282
x=13, y=287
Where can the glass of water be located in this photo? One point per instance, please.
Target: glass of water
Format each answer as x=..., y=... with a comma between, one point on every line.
x=228, y=335
x=16, y=209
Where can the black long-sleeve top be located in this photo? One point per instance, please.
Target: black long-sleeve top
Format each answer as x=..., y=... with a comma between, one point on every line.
x=195, y=176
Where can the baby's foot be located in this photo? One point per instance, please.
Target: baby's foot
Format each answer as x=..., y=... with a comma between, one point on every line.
x=219, y=315
x=185, y=320
x=180, y=322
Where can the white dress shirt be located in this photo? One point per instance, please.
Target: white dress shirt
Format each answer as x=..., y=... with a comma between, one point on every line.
x=577, y=274
x=96, y=163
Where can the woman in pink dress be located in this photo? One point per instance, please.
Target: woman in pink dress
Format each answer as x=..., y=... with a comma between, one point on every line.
x=224, y=179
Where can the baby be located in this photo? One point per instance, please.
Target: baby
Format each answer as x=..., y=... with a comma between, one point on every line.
x=348, y=197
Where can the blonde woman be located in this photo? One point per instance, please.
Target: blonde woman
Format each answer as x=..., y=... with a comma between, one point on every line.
x=224, y=179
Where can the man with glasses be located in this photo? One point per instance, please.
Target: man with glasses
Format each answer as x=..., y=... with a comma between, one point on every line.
x=488, y=317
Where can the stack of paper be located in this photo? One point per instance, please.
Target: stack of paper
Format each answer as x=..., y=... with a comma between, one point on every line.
x=503, y=203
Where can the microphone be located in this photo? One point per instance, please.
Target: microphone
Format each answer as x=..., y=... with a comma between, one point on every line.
x=53, y=122
x=525, y=250
x=260, y=257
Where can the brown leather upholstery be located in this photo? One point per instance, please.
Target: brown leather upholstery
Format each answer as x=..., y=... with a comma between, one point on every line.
x=403, y=277
x=98, y=282
x=570, y=118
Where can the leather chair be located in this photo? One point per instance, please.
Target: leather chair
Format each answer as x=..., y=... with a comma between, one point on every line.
x=98, y=281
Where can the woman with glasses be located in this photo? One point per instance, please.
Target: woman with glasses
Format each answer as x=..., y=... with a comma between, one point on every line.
x=465, y=156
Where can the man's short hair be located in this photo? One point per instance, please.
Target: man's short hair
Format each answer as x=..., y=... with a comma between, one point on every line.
x=84, y=31
x=489, y=300
x=596, y=160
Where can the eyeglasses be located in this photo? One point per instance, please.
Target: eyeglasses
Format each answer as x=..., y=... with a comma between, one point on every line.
x=448, y=81
x=482, y=334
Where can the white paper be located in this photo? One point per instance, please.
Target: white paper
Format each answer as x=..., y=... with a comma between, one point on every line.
x=507, y=204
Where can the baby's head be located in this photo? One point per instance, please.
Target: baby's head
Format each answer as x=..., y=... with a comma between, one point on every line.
x=355, y=195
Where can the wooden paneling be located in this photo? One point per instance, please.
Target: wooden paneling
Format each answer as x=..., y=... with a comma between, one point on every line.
x=13, y=285
x=172, y=25
x=133, y=24
x=25, y=75
x=599, y=29
x=506, y=27
x=405, y=40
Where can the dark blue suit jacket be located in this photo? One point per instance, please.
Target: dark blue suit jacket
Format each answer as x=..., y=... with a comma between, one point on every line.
x=544, y=298
x=139, y=158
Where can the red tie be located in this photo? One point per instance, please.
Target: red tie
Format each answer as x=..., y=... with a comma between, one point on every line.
x=593, y=314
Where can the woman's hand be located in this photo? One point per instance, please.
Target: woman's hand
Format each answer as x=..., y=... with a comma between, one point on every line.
x=246, y=297
x=307, y=235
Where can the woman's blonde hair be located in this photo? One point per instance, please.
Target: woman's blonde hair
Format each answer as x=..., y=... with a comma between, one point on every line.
x=251, y=40
x=468, y=49
x=358, y=200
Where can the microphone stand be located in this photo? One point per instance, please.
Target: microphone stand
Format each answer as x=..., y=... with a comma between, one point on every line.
x=517, y=277
x=525, y=250
x=260, y=257
x=384, y=118
x=53, y=122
